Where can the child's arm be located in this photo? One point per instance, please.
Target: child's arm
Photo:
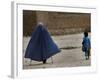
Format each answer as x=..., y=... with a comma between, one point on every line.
x=83, y=41
x=89, y=43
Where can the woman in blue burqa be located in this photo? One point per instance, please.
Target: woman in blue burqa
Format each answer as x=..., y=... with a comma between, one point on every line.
x=41, y=46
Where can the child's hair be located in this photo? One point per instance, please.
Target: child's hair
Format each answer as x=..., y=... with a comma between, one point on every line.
x=85, y=34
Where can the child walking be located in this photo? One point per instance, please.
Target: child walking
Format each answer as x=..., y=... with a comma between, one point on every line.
x=86, y=45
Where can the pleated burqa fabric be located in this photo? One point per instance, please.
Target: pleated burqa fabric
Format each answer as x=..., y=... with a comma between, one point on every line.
x=41, y=46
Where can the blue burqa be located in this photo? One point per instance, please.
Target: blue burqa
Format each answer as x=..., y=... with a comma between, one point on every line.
x=41, y=46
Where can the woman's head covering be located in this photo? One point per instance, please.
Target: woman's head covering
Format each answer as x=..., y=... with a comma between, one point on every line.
x=41, y=46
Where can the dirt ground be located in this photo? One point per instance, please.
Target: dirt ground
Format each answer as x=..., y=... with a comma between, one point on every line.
x=71, y=54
